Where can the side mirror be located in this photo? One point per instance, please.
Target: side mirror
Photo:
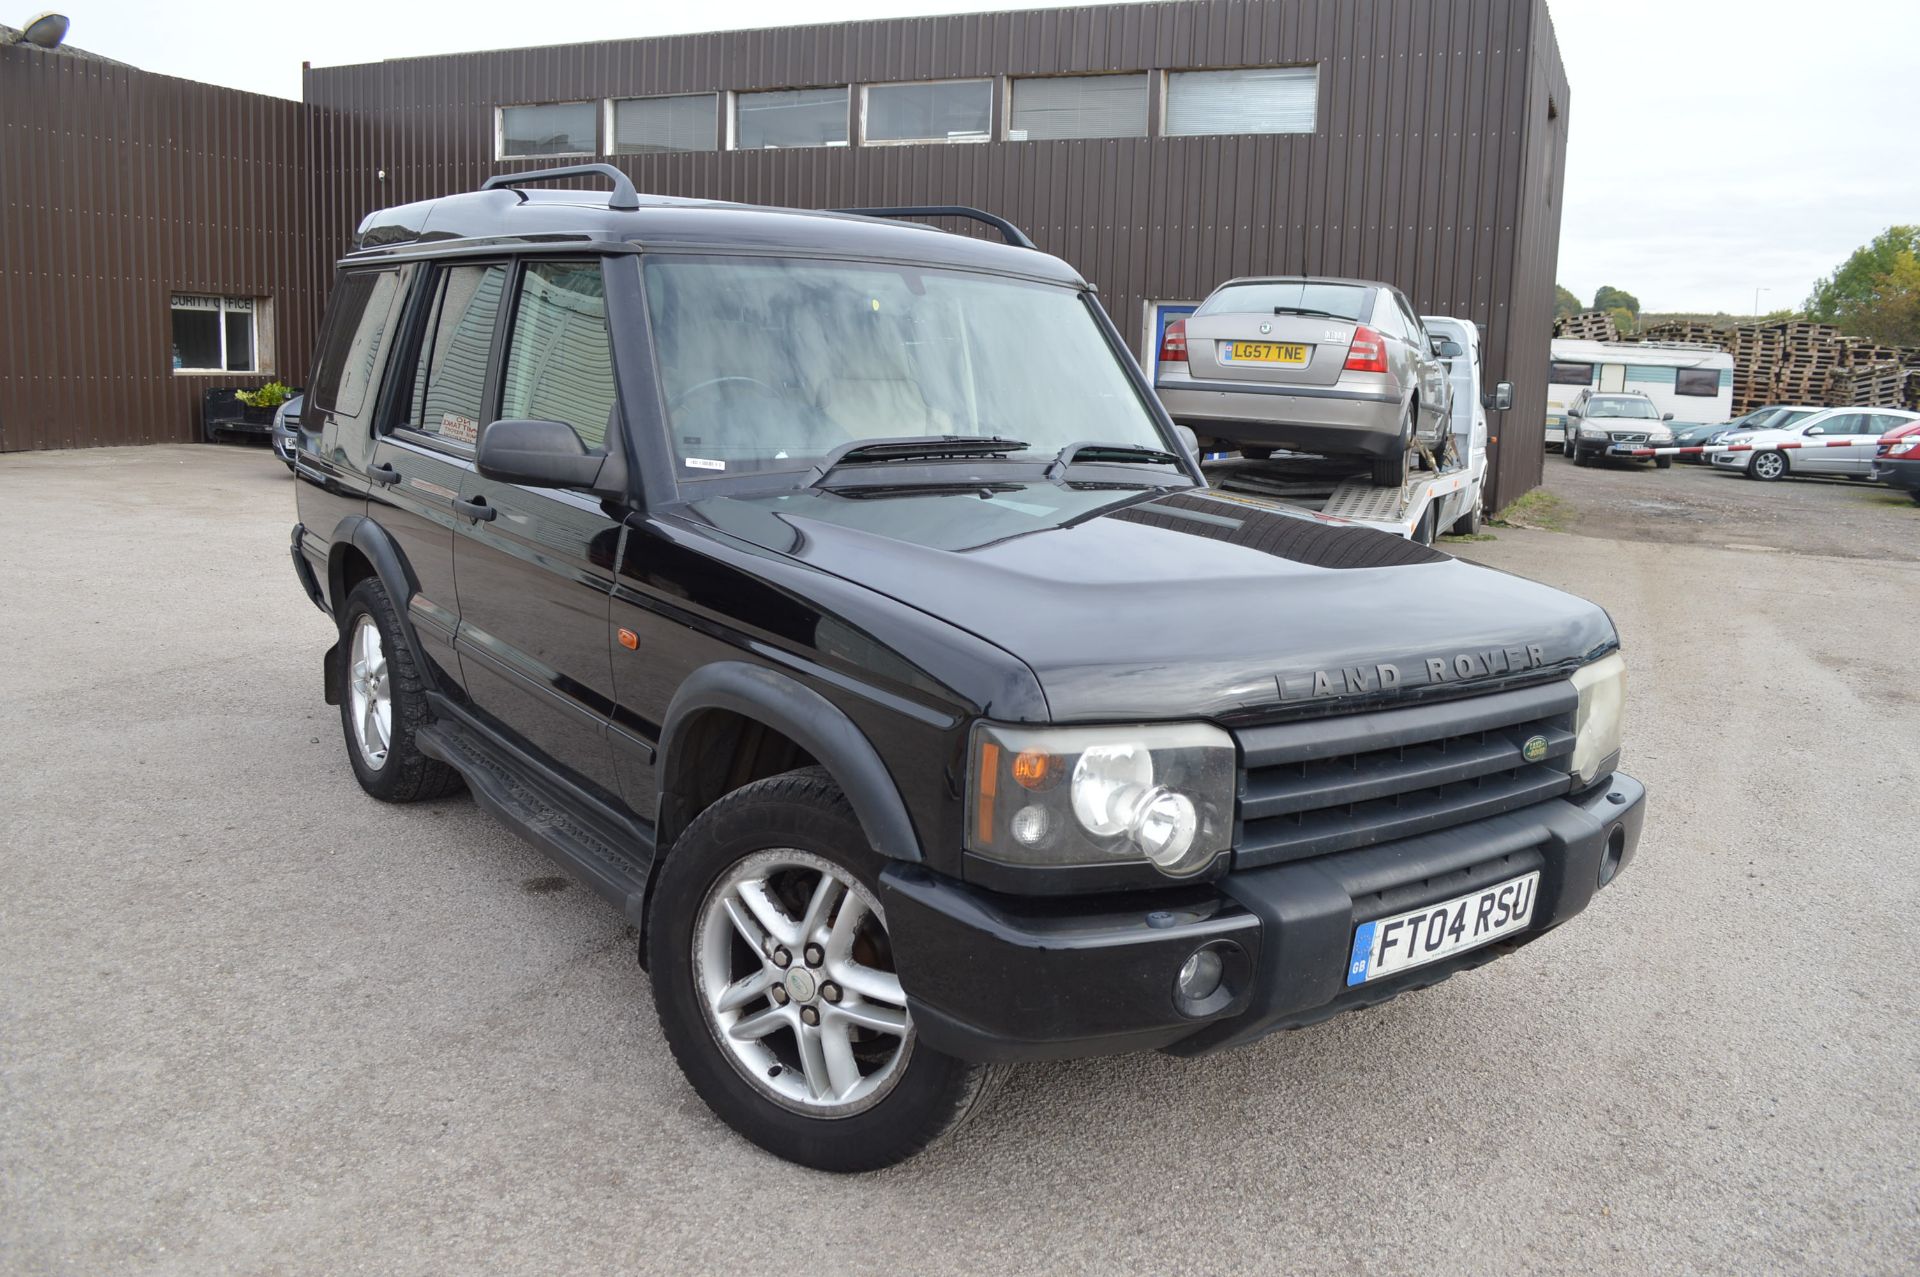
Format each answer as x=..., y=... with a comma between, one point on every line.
x=1816, y=430
x=1501, y=400
x=1187, y=437
x=539, y=454
x=1447, y=348
x=1666, y=416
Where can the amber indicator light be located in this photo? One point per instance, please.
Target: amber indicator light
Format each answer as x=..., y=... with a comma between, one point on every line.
x=629, y=640
x=1034, y=769
x=989, y=781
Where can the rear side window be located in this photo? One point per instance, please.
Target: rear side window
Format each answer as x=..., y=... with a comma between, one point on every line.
x=559, y=365
x=1703, y=382
x=357, y=323
x=1563, y=372
x=450, y=375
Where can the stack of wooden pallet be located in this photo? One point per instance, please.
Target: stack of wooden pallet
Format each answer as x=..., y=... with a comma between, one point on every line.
x=1588, y=325
x=1880, y=385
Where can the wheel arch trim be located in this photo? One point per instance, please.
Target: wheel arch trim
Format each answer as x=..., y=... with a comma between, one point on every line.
x=812, y=722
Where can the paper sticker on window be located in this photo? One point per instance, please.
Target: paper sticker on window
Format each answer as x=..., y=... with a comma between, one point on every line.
x=457, y=428
x=701, y=463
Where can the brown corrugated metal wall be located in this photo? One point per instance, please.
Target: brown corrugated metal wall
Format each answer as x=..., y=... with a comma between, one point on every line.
x=1433, y=165
x=118, y=189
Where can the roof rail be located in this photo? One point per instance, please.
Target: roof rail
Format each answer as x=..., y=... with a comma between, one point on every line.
x=623, y=197
x=1013, y=234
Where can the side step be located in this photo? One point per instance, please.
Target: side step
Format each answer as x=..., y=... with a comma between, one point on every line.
x=590, y=855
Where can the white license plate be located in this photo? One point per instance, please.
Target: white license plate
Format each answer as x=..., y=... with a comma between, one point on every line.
x=1433, y=932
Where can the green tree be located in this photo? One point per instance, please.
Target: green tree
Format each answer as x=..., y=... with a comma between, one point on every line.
x=1610, y=298
x=1624, y=320
x=1876, y=292
x=1565, y=303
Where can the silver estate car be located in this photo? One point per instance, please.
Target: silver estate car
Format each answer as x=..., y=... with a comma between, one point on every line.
x=1599, y=423
x=1340, y=367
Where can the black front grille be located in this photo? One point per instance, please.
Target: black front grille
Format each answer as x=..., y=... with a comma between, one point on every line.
x=1333, y=784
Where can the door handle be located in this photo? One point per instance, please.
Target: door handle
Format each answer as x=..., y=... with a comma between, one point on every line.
x=384, y=475
x=477, y=509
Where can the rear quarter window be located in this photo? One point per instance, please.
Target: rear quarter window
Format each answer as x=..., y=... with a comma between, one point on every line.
x=358, y=320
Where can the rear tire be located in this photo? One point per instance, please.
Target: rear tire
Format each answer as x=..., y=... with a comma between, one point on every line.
x=1429, y=523
x=383, y=703
x=760, y=860
x=1257, y=454
x=1468, y=524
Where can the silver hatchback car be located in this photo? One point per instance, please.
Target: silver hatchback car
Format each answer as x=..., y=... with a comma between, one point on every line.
x=1340, y=367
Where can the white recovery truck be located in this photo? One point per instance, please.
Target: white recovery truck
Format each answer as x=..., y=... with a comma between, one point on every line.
x=1433, y=501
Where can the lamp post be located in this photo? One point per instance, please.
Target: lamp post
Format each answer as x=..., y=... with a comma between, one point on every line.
x=1756, y=300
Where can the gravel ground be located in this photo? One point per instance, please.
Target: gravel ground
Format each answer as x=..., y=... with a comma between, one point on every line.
x=1697, y=505
x=253, y=1021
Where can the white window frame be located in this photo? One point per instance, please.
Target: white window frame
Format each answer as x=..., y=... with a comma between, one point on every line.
x=500, y=151
x=258, y=307
x=612, y=139
x=733, y=115
x=985, y=136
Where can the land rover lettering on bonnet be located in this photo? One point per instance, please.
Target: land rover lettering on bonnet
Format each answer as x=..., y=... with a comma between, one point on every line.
x=831, y=594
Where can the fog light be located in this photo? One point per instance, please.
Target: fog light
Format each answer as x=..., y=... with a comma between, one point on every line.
x=1611, y=857
x=1200, y=976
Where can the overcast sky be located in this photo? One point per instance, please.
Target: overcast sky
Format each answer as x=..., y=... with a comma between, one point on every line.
x=1714, y=146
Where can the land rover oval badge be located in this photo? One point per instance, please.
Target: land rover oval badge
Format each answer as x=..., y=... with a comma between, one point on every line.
x=1535, y=749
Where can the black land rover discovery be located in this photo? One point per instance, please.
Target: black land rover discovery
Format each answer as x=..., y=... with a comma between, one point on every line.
x=830, y=593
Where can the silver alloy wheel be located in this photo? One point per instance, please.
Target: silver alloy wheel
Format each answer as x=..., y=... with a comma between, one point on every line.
x=791, y=962
x=369, y=695
x=1769, y=465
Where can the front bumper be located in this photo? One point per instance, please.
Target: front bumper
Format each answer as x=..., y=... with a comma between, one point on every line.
x=1730, y=460
x=993, y=977
x=1899, y=474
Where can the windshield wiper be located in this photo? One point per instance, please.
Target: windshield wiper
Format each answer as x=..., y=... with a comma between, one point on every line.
x=1308, y=310
x=1123, y=453
x=862, y=452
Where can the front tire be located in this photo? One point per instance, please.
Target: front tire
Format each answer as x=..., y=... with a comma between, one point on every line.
x=383, y=702
x=1767, y=466
x=1663, y=463
x=774, y=982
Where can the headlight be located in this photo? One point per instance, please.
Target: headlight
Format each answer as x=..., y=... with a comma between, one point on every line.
x=1055, y=796
x=1660, y=436
x=1589, y=433
x=1596, y=723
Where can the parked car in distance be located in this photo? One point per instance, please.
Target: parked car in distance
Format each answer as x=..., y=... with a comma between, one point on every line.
x=1772, y=416
x=1598, y=423
x=1896, y=461
x=888, y=661
x=1339, y=367
x=286, y=429
x=1837, y=442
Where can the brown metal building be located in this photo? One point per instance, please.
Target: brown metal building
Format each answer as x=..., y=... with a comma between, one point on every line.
x=1416, y=141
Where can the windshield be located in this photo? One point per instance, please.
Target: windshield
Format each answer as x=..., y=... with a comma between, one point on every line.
x=1343, y=301
x=769, y=364
x=1636, y=409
